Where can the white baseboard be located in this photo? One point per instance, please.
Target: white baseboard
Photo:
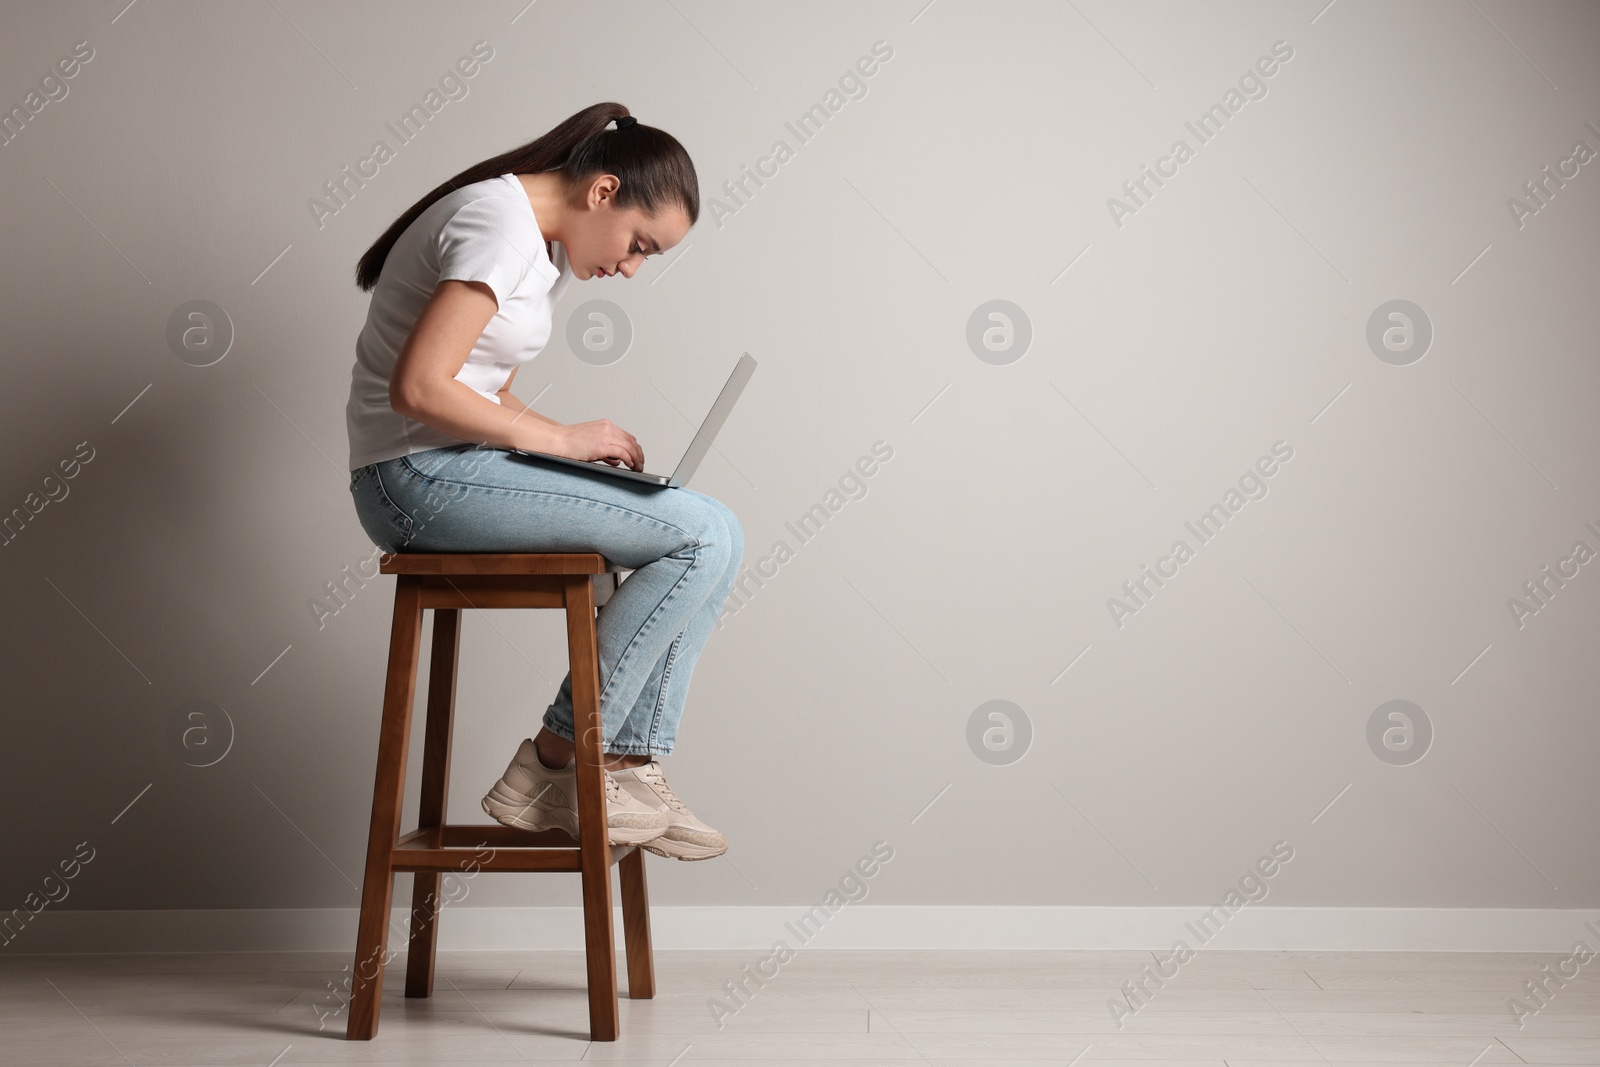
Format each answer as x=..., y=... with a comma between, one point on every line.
x=857, y=926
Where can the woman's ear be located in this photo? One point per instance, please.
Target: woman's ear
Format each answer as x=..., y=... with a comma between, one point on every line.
x=604, y=187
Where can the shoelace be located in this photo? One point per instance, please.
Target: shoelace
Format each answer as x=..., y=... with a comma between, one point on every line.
x=658, y=781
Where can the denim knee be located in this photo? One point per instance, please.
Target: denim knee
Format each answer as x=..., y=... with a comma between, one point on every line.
x=728, y=532
x=735, y=536
x=719, y=539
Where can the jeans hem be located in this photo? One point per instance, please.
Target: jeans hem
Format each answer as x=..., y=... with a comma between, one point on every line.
x=630, y=749
x=646, y=751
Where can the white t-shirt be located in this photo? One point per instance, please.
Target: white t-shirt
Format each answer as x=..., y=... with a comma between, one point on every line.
x=483, y=232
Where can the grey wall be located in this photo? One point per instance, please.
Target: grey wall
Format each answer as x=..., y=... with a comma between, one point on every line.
x=1171, y=351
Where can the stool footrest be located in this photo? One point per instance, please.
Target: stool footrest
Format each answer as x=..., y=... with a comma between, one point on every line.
x=463, y=847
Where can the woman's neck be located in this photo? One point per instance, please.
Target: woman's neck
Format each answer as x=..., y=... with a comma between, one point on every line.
x=549, y=207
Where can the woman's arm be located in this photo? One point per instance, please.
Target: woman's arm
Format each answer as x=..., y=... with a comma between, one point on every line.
x=423, y=386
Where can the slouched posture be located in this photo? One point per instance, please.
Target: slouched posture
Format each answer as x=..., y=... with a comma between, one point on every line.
x=463, y=288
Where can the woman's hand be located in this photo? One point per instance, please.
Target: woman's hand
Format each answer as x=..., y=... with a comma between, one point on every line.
x=601, y=439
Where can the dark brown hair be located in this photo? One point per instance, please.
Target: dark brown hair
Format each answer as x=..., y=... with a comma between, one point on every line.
x=655, y=171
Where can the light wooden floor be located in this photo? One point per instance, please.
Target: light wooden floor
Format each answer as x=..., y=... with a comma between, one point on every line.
x=954, y=1009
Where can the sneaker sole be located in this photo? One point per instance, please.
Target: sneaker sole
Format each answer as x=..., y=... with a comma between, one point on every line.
x=510, y=808
x=679, y=848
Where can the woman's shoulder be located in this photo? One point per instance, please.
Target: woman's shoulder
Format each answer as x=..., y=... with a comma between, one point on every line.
x=489, y=207
x=498, y=194
x=491, y=223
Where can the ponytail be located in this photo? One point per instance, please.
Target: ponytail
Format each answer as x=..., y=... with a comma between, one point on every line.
x=655, y=171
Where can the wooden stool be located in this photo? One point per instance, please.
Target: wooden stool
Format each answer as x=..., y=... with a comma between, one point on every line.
x=447, y=583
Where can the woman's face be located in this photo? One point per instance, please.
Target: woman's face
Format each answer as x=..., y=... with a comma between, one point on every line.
x=603, y=239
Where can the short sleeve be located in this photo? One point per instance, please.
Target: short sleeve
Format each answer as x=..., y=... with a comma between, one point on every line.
x=479, y=244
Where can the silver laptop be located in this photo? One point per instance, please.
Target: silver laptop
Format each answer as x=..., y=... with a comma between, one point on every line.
x=697, y=447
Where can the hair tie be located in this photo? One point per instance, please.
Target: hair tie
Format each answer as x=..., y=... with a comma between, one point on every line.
x=625, y=121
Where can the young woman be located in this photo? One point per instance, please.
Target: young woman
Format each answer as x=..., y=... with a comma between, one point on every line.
x=463, y=285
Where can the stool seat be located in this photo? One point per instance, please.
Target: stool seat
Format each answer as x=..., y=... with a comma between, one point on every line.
x=495, y=563
x=447, y=583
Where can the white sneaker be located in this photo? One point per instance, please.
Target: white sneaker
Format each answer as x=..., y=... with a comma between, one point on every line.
x=531, y=796
x=686, y=837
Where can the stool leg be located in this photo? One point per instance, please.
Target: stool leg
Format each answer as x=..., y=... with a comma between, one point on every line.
x=372, y=934
x=593, y=837
x=435, y=789
x=636, y=927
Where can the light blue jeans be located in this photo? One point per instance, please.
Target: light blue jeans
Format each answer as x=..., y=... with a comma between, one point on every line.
x=684, y=548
